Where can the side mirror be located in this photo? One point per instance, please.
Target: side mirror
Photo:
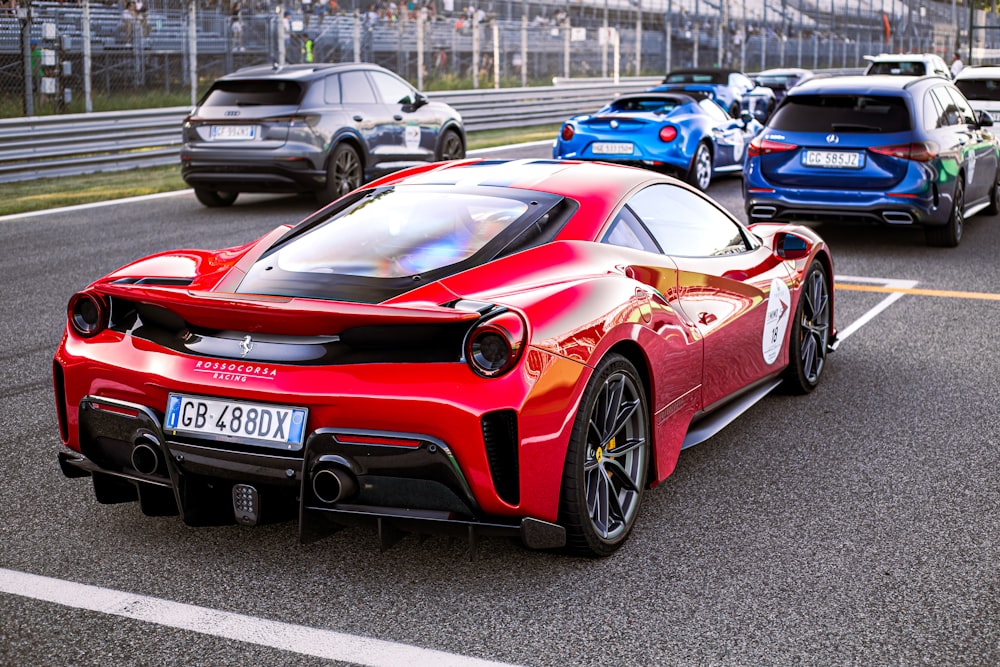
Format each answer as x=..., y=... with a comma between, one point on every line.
x=746, y=117
x=791, y=246
x=985, y=119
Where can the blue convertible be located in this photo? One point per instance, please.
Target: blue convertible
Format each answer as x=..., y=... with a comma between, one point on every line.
x=682, y=134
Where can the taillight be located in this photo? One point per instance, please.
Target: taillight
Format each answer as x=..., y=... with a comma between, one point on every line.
x=88, y=314
x=760, y=146
x=668, y=133
x=918, y=151
x=494, y=345
x=567, y=132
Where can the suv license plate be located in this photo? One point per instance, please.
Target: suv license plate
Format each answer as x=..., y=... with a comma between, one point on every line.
x=236, y=421
x=834, y=159
x=233, y=132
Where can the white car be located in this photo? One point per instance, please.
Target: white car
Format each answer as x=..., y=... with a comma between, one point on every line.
x=981, y=86
x=907, y=64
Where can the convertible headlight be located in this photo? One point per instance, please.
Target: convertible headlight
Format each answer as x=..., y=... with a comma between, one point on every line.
x=88, y=314
x=494, y=345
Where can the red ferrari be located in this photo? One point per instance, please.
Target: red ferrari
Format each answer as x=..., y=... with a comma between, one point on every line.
x=474, y=347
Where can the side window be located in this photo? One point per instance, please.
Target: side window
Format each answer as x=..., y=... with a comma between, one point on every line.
x=949, y=112
x=331, y=89
x=628, y=232
x=966, y=115
x=713, y=109
x=932, y=112
x=686, y=224
x=355, y=88
x=391, y=89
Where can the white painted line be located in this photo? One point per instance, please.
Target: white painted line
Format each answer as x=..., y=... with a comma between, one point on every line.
x=285, y=636
x=843, y=334
x=96, y=204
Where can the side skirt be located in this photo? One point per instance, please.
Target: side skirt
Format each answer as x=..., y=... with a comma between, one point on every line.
x=719, y=419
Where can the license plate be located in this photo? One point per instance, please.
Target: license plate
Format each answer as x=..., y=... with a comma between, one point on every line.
x=233, y=132
x=236, y=421
x=611, y=148
x=834, y=159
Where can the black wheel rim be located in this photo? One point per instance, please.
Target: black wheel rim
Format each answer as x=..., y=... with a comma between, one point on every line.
x=814, y=326
x=346, y=172
x=616, y=456
x=451, y=147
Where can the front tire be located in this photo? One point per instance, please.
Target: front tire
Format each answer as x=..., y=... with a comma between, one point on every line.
x=215, y=198
x=606, y=461
x=450, y=147
x=344, y=173
x=949, y=235
x=810, y=336
x=700, y=173
x=994, y=206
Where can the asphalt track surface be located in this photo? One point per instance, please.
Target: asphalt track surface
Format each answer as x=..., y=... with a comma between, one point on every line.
x=855, y=526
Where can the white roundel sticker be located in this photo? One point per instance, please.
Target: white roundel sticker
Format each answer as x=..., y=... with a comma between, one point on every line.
x=738, y=147
x=411, y=135
x=779, y=304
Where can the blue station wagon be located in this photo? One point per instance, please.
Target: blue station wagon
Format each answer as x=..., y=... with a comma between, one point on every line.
x=888, y=149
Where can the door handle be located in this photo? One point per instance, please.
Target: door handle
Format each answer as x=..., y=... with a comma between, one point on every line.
x=358, y=118
x=397, y=117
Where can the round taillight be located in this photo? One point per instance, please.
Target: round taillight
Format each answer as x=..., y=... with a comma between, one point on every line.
x=493, y=347
x=567, y=132
x=88, y=314
x=668, y=133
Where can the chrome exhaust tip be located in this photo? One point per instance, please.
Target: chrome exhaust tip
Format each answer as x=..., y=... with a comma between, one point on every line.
x=145, y=457
x=331, y=485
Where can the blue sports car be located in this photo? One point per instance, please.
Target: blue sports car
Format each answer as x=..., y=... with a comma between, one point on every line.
x=690, y=137
x=726, y=86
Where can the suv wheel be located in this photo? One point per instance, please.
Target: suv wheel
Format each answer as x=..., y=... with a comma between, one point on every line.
x=215, y=198
x=343, y=174
x=450, y=147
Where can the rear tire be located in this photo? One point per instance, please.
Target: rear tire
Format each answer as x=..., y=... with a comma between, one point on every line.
x=607, y=460
x=810, y=335
x=994, y=206
x=949, y=234
x=700, y=173
x=343, y=174
x=215, y=198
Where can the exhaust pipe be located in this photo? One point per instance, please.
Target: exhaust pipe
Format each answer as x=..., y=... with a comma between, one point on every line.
x=897, y=218
x=331, y=485
x=763, y=211
x=146, y=456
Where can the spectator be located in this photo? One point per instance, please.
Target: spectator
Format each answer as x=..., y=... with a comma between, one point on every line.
x=956, y=65
x=237, y=26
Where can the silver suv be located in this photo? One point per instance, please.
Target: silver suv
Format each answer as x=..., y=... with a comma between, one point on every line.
x=323, y=128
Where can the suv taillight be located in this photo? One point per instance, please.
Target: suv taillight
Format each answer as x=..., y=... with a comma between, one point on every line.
x=918, y=151
x=760, y=146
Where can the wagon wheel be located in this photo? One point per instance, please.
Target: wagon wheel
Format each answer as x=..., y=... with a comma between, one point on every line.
x=606, y=461
x=949, y=234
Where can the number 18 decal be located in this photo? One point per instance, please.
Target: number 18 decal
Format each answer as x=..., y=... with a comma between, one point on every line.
x=775, y=320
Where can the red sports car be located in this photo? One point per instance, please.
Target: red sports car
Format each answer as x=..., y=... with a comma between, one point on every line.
x=474, y=347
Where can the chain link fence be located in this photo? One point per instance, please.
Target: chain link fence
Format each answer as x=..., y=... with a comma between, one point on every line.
x=59, y=57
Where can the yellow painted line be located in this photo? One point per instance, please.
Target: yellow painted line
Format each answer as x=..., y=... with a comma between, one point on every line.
x=985, y=296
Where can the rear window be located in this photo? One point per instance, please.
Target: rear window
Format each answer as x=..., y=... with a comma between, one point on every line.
x=696, y=77
x=898, y=68
x=645, y=104
x=980, y=89
x=253, y=93
x=842, y=113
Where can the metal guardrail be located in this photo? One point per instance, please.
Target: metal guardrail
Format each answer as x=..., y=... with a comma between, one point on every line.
x=73, y=144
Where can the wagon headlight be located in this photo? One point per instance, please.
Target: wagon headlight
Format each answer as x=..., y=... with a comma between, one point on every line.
x=88, y=314
x=494, y=345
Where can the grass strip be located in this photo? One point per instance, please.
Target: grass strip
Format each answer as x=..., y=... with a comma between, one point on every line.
x=45, y=193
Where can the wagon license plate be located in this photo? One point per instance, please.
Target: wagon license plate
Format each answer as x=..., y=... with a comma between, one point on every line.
x=612, y=148
x=236, y=421
x=233, y=132
x=834, y=159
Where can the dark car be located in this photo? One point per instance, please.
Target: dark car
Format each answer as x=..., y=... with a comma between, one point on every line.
x=727, y=87
x=888, y=149
x=323, y=128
